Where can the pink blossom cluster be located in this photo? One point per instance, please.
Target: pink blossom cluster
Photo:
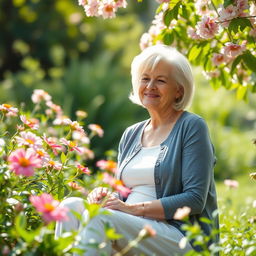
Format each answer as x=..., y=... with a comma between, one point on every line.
x=238, y=9
x=105, y=8
x=50, y=208
x=108, y=165
x=8, y=110
x=116, y=184
x=147, y=39
x=228, y=53
x=38, y=152
x=231, y=183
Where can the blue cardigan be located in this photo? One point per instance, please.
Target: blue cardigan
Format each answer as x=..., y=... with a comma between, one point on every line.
x=183, y=171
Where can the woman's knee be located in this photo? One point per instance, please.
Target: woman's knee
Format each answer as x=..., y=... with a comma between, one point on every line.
x=74, y=204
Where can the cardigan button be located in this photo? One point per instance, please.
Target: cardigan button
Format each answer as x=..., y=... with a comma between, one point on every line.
x=157, y=181
x=157, y=163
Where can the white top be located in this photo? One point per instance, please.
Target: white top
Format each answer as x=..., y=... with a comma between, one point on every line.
x=138, y=175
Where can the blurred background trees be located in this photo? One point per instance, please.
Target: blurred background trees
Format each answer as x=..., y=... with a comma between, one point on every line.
x=84, y=64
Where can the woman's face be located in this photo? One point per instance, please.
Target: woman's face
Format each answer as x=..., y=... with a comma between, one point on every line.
x=157, y=89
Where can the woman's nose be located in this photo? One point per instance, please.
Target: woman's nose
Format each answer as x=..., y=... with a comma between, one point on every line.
x=151, y=84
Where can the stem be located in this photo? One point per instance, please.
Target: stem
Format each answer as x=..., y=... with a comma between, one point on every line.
x=215, y=8
x=247, y=17
x=129, y=246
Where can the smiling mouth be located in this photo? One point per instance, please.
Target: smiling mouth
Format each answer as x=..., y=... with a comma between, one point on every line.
x=151, y=95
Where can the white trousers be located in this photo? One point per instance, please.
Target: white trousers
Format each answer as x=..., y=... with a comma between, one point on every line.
x=165, y=243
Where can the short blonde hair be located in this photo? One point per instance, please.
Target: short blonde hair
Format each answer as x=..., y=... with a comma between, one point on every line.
x=182, y=74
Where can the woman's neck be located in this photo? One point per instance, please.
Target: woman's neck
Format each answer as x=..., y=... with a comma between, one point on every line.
x=163, y=119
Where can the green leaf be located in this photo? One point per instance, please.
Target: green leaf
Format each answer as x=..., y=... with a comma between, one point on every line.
x=205, y=220
x=249, y=60
x=63, y=158
x=227, y=3
x=239, y=24
x=173, y=3
x=171, y=13
x=235, y=63
x=241, y=92
x=49, y=179
x=20, y=226
x=168, y=38
x=194, y=52
x=111, y=232
x=184, y=12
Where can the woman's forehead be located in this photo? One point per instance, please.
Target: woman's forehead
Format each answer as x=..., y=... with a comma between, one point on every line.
x=160, y=64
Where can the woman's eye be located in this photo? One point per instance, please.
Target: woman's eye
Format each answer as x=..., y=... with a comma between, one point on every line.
x=145, y=79
x=161, y=81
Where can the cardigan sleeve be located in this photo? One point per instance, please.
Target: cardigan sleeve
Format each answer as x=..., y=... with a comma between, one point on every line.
x=197, y=161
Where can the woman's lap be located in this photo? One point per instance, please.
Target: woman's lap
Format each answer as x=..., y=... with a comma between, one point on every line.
x=164, y=243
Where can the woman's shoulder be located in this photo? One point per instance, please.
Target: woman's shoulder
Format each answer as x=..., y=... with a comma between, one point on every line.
x=193, y=121
x=135, y=127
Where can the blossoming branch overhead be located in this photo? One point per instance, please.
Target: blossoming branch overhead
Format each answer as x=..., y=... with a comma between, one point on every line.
x=218, y=37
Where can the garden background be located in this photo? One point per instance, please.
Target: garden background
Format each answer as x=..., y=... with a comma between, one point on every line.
x=84, y=64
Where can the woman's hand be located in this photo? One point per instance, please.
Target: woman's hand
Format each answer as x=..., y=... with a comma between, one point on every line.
x=97, y=194
x=114, y=203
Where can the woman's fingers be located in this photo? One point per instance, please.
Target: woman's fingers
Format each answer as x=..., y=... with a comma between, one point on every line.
x=96, y=196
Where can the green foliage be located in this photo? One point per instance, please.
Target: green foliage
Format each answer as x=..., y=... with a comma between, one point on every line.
x=231, y=125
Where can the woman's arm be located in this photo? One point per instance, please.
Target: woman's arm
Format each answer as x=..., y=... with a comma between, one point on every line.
x=196, y=173
x=150, y=209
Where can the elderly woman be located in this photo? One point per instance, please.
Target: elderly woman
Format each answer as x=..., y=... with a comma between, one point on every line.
x=167, y=161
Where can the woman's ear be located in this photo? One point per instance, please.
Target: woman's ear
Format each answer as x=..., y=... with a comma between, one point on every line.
x=180, y=92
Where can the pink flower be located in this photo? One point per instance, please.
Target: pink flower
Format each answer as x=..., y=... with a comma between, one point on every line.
x=29, y=139
x=51, y=142
x=43, y=155
x=61, y=120
x=75, y=186
x=32, y=123
x=23, y=162
x=182, y=213
x=40, y=95
x=212, y=74
x=227, y=14
x=207, y=27
x=53, y=165
x=231, y=183
x=55, y=108
x=147, y=231
x=82, y=2
x=116, y=184
x=202, y=7
x=242, y=5
x=88, y=153
x=80, y=136
x=232, y=50
x=9, y=110
x=96, y=129
x=72, y=145
x=145, y=41
x=49, y=208
x=74, y=125
x=193, y=34
x=107, y=9
x=121, y=3
x=91, y=8
x=83, y=169
x=81, y=114
x=163, y=1
x=218, y=58
x=108, y=165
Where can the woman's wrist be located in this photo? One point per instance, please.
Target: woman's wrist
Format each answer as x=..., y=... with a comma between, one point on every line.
x=137, y=209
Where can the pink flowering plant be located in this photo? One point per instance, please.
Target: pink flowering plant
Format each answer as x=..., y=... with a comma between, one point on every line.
x=43, y=158
x=218, y=35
